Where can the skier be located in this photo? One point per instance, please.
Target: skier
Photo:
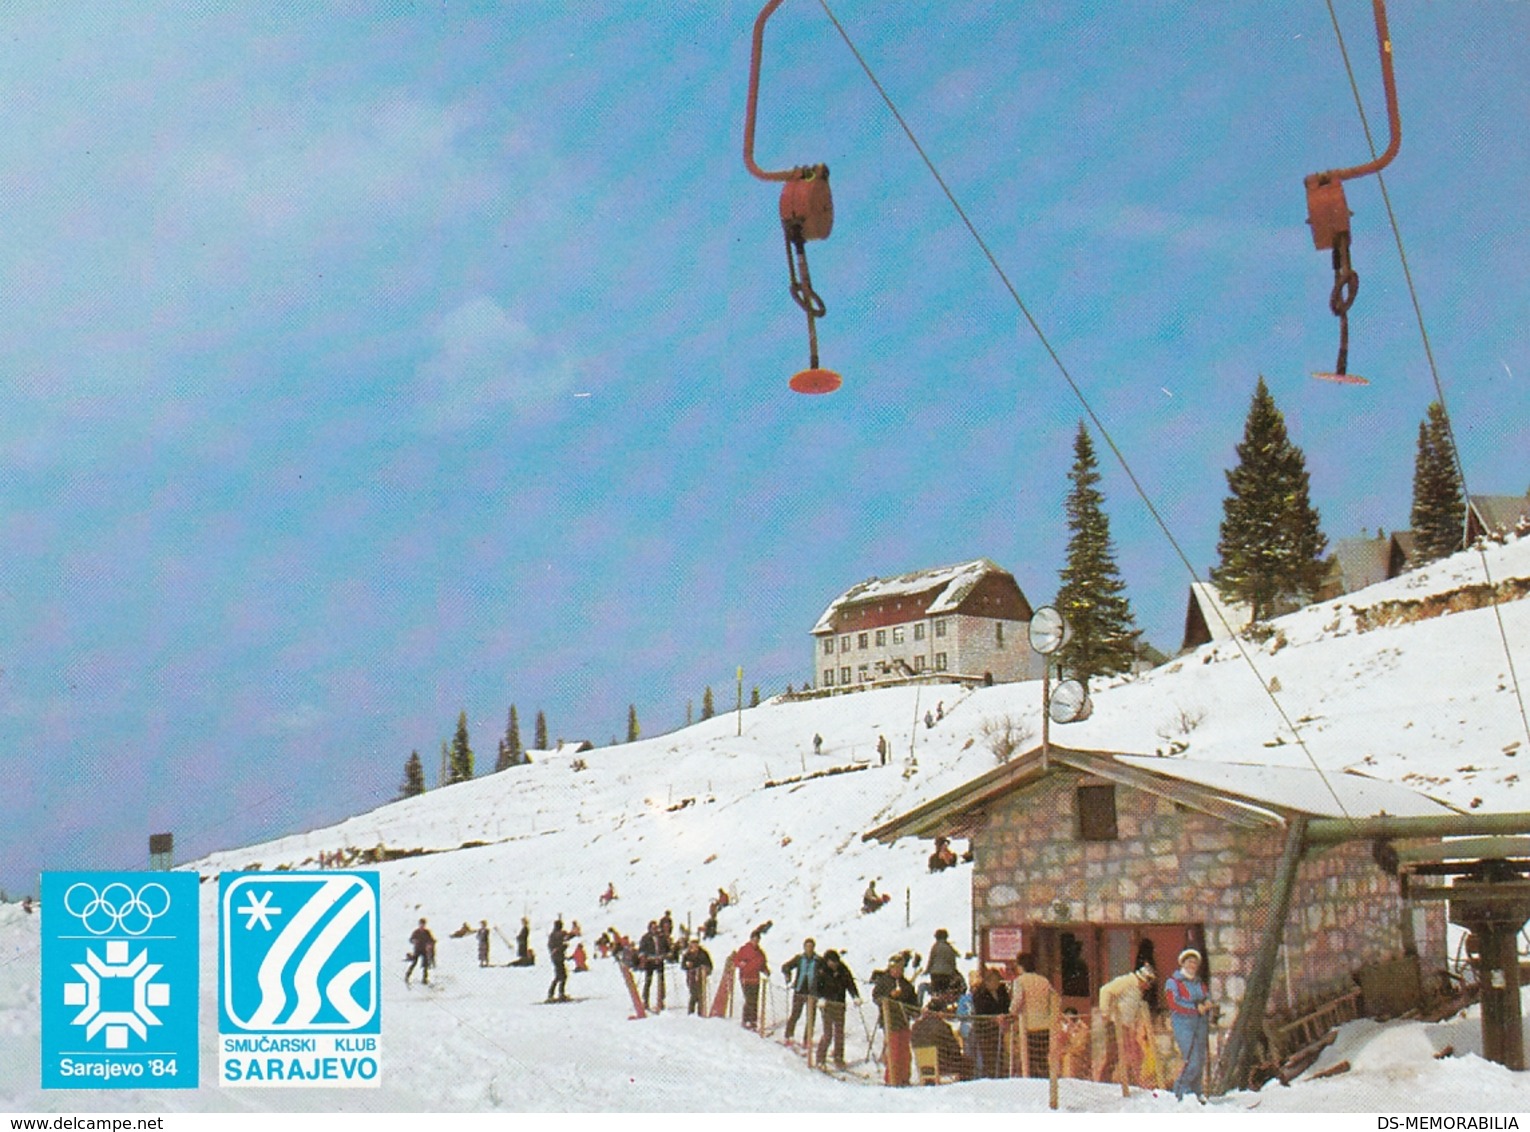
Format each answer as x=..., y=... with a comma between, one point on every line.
x=834, y=982
x=1123, y=1008
x=609, y=894
x=424, y=952
x=1035, y=1004
x=817, y=744
x=750, y=962
x=697, y=965
x=944, y=856
x=801, y=973
x=898, y=1001
x=872, y=900
x=557, y=990
x=931, y=1031
x=990, y=1003
x=1190, y=1013
x=523, y=944
x=651, y=959
x=581, y=958
x=483, y=943
x=941, y=967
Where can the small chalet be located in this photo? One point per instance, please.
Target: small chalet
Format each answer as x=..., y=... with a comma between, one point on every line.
x=1496, y=515
x=1092, y=862
x=1360, y=562
x=1209, y=617
x=963, y=622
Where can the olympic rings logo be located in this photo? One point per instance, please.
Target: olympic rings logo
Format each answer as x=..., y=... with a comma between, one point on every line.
x=117, y=907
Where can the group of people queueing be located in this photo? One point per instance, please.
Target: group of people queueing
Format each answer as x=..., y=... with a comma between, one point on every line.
x=965, y=1019
x=812, y=977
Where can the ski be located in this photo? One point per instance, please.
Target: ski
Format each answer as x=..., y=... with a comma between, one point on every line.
x=724, y=985
x=639, y=1010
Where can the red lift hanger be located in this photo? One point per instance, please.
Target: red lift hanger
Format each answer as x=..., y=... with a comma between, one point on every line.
x=807, y=213
x=1328, y=214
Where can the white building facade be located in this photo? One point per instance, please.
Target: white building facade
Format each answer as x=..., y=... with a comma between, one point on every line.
x=967, y=622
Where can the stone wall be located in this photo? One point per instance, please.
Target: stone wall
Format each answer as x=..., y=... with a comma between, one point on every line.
x=1172, y=864
x=972, y=648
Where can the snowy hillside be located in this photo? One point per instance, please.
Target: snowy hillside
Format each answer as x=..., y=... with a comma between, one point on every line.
x=744, y=803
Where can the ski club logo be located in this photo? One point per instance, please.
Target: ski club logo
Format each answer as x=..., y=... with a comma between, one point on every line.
x=119, y=980
x=299, y=992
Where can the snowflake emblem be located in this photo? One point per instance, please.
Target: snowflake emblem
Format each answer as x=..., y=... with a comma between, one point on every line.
x=148, y=995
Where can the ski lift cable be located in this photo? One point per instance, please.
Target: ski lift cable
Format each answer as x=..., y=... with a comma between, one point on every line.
x=1423, y=330
x=1083, y=401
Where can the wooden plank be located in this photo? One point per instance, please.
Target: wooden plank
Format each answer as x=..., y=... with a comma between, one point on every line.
x=1468, y=849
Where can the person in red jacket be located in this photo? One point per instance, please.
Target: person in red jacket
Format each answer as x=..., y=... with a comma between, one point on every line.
x=750, y=963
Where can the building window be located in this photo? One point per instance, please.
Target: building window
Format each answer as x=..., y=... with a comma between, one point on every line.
x=940, y=627
x=940, y=662
x=998, y=634
x=828, y=646
x=844, y=675
x=1097, y=813
x=844, y=643
x=881, y=637
x=919, y=631
x=860, y=641
x=828, y=677
x=919, y=664
x=864, y=674
x=898, y=635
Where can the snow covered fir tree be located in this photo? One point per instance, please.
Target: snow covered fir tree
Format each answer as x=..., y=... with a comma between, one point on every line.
x=1092, y=598
x=1271, y=547
x=1439, y=507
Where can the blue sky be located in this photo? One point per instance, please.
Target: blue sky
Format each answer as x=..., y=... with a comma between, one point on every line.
x=298, y=308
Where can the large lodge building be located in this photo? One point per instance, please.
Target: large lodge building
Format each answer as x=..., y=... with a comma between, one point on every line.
x=964, y=622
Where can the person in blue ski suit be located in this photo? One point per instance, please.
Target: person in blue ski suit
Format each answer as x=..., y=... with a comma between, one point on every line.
x=801, y=973
x=1189, y=1010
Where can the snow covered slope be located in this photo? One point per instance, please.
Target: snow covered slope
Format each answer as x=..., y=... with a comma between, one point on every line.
x=744, y=803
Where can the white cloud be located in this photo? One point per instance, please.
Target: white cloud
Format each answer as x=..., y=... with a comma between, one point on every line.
x=486, y=361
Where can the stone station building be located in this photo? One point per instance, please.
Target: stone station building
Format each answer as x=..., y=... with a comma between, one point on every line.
x=1093, y=861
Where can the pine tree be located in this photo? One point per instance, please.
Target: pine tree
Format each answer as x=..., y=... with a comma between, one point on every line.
x=414, y=777
x=689, y=712
x=513, y=738
x=1271, y=547
x=541, y=732
x=632, y=724
x=511, y=753
x=1439, y=509
x=461, y=760
x=707, y=711
x=754, y=696
x=445, y=774
x=1092, y=598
